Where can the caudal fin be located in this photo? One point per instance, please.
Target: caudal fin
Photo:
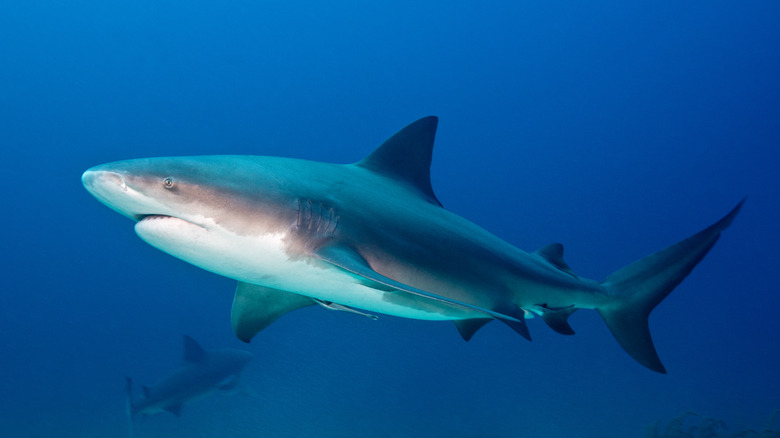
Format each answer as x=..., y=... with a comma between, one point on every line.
x=640, y=286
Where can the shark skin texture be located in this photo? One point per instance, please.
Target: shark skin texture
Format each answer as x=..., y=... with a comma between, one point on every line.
x=373, y=236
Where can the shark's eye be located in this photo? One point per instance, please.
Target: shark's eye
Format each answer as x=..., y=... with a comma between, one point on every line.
x=169, y=183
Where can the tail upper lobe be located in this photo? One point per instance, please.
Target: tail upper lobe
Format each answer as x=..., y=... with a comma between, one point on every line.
x=640, y=286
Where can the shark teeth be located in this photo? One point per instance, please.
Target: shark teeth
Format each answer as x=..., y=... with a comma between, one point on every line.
x=141, y=217
x=157, y=217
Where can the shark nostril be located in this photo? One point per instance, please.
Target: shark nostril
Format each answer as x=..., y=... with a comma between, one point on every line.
x=115, y=178
x=96, y=178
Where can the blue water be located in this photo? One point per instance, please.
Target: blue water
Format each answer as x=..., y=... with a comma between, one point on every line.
x=616, y=128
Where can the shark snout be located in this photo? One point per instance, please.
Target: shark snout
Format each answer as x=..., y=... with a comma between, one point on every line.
x=95, y=180
x=110, y=188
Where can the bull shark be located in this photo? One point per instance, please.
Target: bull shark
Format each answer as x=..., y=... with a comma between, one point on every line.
x=372, y=235
x=201, y=373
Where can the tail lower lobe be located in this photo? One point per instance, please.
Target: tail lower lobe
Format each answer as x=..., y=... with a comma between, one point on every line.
x=640, y=286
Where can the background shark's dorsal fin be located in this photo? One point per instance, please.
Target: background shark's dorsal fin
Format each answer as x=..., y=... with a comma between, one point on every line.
x=406, y=156
x=193, y=352
x=553, y=253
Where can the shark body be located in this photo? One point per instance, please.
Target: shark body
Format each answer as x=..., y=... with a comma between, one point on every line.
x=372, y=235
x=201, y=373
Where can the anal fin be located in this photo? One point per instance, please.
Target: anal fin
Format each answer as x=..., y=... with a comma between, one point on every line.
x=518, y=323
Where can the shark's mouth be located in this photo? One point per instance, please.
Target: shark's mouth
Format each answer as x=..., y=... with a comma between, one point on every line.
x=146, y=218
x=143, y=217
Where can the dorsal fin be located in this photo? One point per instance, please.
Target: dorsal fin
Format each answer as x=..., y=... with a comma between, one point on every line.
x=193, y=352
x=406, y=156
x=553, y=253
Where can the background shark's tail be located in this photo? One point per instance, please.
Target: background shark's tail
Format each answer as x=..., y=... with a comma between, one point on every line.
x=640, y=286
x=129, y=405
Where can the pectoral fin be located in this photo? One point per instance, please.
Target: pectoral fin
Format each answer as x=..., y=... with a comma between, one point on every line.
x=256, y=307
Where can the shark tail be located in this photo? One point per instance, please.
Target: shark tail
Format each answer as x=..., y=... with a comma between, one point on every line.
x=129, y=405
x=642, y=285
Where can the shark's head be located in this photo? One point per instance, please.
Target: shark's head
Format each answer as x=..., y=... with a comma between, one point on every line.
x=198, y=190
x=140, y=189
x=194, y=206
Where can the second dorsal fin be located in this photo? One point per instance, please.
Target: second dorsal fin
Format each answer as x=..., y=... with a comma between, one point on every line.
x=406, y=156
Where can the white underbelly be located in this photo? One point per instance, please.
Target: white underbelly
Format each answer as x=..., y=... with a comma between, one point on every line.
x=320, y=280
x=263, y=260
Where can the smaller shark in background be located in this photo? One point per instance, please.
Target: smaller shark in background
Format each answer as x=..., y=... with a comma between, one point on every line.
x=201, y=373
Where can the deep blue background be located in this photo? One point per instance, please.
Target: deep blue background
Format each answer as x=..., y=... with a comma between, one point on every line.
x=616, y=128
